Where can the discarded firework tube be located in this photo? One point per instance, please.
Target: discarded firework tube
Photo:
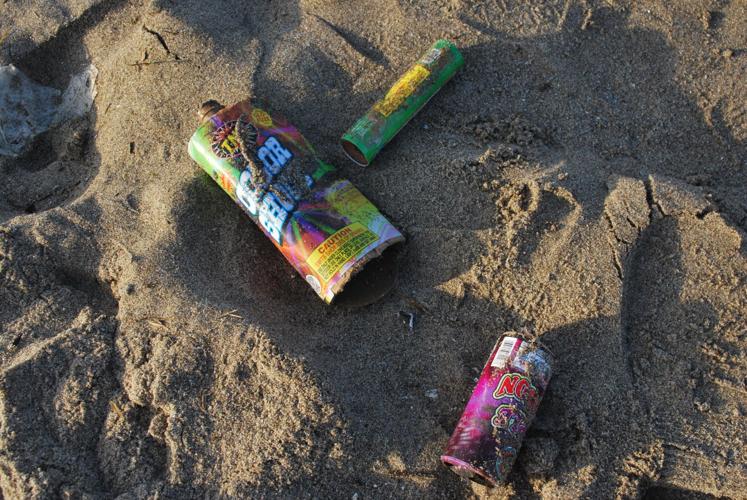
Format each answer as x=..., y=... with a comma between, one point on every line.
x=489, y=433
x=381, y=123
x=323, y=225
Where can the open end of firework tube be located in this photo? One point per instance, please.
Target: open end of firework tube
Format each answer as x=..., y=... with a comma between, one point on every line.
x=352, y=152
x=467, y=471
x=371, y=280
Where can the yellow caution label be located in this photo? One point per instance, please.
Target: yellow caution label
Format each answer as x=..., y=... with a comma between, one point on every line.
x=261, y=117
x=401, y=90
x=341, y=247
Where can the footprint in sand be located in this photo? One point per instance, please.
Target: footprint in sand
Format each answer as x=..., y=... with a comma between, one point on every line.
x=682, y=362
x=40, y=167
x=539, y=219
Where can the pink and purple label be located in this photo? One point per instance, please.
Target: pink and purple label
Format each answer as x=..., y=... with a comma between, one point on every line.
x=489, y=433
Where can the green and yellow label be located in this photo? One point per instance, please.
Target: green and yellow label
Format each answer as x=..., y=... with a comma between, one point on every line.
x=401, y=90
x=329, y=257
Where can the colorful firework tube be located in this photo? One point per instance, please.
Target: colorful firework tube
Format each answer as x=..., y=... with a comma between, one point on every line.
x=381, y=123
x=489, y=433
x=323, y=225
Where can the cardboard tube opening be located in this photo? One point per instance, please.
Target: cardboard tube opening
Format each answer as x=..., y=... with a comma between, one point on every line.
x=208, y=109
x=355, y=154
x=372, y=282
x=467, y=471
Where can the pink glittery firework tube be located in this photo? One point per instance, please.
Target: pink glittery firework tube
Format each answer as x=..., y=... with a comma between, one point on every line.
x=489, y=433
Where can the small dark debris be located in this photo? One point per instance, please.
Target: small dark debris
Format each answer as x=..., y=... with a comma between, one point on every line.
x=417, y=305
x=588, y=20
x=408, y=319
x=162, y=42
x=132, y=202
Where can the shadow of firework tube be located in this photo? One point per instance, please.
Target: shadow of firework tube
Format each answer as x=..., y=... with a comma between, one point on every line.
x=384, y=120
x=489, y=433
x=323, y=225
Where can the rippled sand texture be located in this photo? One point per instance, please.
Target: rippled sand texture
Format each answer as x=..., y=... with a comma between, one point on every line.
x=584, y=176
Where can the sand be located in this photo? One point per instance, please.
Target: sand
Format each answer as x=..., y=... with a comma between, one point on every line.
x=583, y=176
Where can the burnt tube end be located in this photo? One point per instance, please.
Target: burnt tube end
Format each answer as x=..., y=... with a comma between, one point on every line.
x=208, y=109
x=372, y=280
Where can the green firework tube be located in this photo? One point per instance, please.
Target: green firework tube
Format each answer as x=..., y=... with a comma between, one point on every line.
x=363, y=141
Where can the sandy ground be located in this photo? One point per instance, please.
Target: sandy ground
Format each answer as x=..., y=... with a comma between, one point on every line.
x=583, y=176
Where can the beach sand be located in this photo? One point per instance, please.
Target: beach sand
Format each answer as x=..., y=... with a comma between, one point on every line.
x=583, y=176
